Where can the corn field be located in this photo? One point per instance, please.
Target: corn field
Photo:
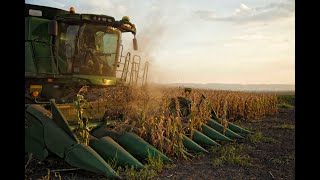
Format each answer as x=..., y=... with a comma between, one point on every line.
x=146, y=113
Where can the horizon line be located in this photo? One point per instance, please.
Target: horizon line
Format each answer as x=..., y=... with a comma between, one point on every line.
x=226, y=83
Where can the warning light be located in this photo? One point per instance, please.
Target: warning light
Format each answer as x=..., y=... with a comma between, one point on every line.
x=35, y=93
x=126, y=18
x=72, y=10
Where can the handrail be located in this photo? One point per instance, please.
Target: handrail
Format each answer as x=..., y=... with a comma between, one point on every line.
x=133, y=64
x=126, y=67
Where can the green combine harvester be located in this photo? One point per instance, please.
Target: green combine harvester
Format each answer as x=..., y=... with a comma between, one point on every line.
x=65, y=50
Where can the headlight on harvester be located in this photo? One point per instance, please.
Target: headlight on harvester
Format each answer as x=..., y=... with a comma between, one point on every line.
x=108, y=82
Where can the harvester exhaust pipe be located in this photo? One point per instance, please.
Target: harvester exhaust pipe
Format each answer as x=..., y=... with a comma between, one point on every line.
x=135, y=43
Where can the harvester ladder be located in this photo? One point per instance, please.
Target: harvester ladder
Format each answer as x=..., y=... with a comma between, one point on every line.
x=135, y=77
x=131, y=68
x=135, y=67
x=124, y=71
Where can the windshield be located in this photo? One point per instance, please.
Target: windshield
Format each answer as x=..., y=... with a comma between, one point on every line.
x=89, y=49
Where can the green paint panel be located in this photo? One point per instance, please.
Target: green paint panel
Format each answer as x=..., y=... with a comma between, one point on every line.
x=238, y=129
x=200, y=138
x=137, y=146
x=44, y=58
x=54, y=138
x=109, y=150
x=29, y=64
x=191, y=145
x=213, y=134
x=60, y=120
x=34, y=141
x=43, y=132
x=218, y=127
x=85, y=157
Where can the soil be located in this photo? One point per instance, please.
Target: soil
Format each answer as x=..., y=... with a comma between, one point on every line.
x=272, y=159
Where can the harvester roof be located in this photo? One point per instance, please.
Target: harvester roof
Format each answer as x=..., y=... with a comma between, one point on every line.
x=46, y=12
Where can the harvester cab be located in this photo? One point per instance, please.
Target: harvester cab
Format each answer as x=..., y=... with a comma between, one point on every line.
x=63, y=48
x=65, y=52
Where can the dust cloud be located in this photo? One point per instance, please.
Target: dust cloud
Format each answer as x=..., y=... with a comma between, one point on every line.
x=155, y=33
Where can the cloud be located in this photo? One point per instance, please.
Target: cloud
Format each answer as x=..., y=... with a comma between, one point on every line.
x=206, y=15
x=245, y=13
x=50, y=3
x=84, y=6
x=243, y=10
x=122, y=9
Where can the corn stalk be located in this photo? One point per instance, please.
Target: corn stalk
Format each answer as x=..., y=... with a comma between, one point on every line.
x=83, y=129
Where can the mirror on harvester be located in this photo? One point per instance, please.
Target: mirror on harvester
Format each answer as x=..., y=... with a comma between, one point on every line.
x=53, y=27
x=135, y=44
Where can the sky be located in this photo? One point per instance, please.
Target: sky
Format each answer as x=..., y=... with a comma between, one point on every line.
x=205, y=41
